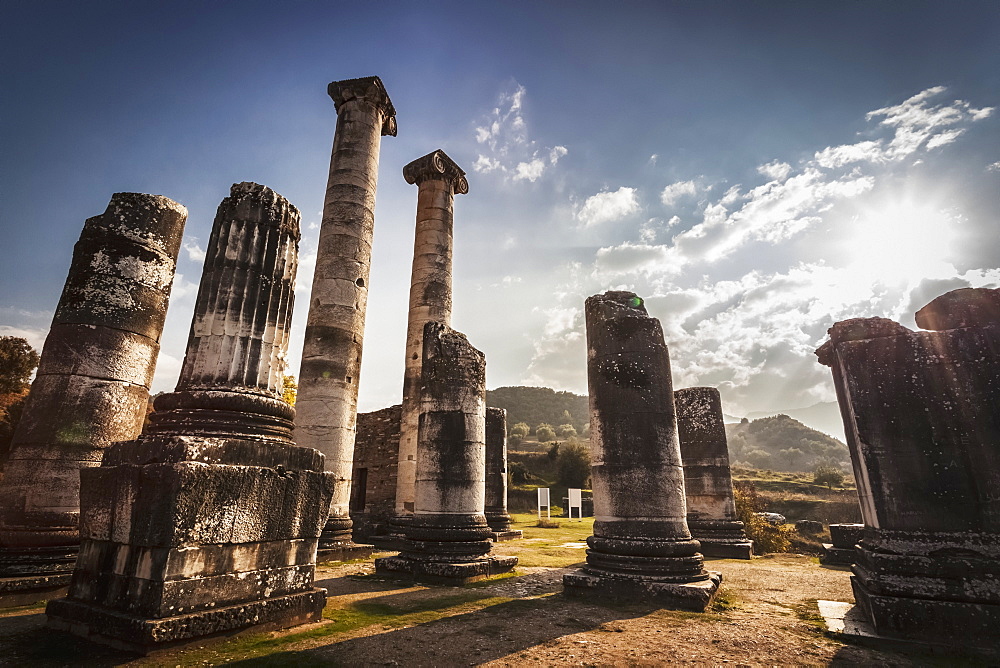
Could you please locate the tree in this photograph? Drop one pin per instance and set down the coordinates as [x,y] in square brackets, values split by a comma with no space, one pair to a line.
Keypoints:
[765,536]
[17,360]
[545,433]
[289,390]
[520,429]
[573,464]
[553,452]
[519,473]
[829,475]
[567,431]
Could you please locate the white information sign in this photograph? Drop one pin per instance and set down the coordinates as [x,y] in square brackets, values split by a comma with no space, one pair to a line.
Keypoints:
[575,501]
[543,501]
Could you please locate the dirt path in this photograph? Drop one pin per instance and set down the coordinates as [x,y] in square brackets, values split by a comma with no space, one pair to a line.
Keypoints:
[766,615]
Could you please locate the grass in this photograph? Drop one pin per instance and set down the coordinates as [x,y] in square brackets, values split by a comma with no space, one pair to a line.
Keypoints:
[546,546]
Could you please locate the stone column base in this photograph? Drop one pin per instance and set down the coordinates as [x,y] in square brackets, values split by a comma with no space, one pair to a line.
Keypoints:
[725,549]
[952,623]
[143,635]
[438,572]
[693,596]
[512,534]
[836,556]
[343,551]
[32,574]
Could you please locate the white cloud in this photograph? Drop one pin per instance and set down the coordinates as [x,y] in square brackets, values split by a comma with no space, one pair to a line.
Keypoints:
[35,336]
[775,170]
[195,252]
[504,144]
[994,167]
[631,258]
[653,158]
[675,191]
[837,156]
[605,207]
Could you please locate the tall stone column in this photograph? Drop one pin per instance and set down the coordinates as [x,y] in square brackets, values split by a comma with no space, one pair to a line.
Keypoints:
[331,355]
[91,389]
[208,523]
[922,417]
[438,179]
[708,483]
[641,547]
[496,476]
[448,539]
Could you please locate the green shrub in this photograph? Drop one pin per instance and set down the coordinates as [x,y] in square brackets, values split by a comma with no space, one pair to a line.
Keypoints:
[829,475]
[573,464]
[766,537]
[545,433]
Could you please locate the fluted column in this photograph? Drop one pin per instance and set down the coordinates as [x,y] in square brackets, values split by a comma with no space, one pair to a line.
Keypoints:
[208,523]
[331,355]
[448,538]
[641,547]
[438,179]
[93,381]
[231,379]
[496,476]
[708,482]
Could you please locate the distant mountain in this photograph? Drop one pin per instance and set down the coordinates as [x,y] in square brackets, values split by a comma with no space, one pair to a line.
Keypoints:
[782,443]
[534,405]
[824,417]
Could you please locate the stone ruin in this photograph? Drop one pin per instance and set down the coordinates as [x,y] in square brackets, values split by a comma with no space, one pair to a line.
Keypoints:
[497,516]
[844,539]
[438,179]
[91,389]
[641,548]
[921,415]
[448,539]
[331,357]
[708,484]
[208,523]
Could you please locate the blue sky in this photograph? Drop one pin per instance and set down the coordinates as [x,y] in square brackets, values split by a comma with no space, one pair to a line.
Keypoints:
[755,170]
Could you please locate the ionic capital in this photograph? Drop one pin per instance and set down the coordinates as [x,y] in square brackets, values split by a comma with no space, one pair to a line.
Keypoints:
[372,91]
[437,165]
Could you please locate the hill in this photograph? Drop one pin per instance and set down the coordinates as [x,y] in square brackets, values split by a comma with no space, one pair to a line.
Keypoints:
[534,405]
[823,416]
[782,443]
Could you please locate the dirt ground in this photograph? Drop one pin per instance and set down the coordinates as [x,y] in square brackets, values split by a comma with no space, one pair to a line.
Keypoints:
[765,616]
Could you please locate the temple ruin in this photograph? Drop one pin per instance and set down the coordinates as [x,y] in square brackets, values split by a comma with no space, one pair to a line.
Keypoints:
[920,414]
[448,539]
[708,484]
[438,180]
[497,516]
[208,523]
[331,357]
[641,548]
[91,389]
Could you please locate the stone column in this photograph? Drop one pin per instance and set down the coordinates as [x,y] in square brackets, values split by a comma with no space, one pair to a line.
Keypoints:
[448,539]
[922,421]
[641,548]
[91,389]
[208,523]
[708,483]
[438,179]
[496,476]
[331,355]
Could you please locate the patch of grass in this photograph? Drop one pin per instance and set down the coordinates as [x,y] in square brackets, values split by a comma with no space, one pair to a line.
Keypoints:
[407,611]
[725,601]
[547,524]
[21,609]
[808,612]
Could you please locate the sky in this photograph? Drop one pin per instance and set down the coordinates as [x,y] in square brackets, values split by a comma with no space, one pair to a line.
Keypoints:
[756,171]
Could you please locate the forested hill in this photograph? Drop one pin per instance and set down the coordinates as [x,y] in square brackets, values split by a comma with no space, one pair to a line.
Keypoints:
[781,443]
[534,405]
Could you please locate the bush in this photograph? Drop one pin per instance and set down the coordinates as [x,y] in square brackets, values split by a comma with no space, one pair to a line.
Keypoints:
[545,433]
[765,536]
[829,475]
[519,473]
[573,464]
[567,431]
[553,452]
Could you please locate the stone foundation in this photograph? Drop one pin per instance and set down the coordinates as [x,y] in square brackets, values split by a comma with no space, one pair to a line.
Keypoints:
[448,573]
[841,552]
[693,596]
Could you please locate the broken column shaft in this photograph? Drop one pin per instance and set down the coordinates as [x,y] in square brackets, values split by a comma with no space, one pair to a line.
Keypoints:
[448,539]
[331,356]
[708,483]
[92,386]
[641,547]
[497,516]
[438,179]
[208,523]
[922,418]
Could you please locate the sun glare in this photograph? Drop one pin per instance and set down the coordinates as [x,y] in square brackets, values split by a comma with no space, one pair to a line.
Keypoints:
[904,241]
